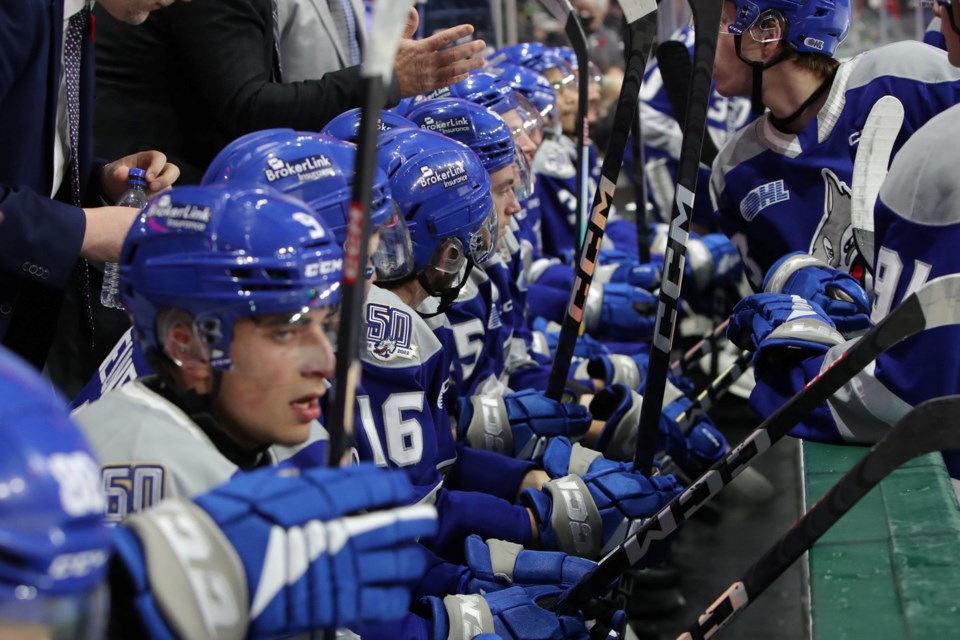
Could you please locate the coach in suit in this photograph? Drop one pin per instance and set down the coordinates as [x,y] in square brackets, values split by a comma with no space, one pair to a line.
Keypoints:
[319,36]
[51,189]
[207,72]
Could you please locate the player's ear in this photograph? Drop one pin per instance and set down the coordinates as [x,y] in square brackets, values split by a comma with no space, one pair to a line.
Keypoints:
[182,344]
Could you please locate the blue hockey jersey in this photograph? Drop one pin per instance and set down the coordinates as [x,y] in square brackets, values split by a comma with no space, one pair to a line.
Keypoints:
[775,193]
[917,227]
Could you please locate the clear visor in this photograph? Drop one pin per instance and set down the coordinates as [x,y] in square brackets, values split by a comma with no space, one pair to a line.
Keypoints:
[532,122]
[523,176]
[75,617]
[393,258]
[483,242]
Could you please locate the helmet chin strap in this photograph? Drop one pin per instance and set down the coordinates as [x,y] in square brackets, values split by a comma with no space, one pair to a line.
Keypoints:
[756,96]
[447,296]
[783,123]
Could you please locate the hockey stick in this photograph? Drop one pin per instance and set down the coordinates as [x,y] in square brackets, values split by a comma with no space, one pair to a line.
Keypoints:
[563,11]
[870,168]
[931,426]
[639,184]
[706,17]
[714,391]
[935,304]
[707,345]
[389,19]
[641,18]
[673,57]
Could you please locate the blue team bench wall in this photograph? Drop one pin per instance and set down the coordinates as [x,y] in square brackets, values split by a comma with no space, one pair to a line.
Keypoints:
[890,568]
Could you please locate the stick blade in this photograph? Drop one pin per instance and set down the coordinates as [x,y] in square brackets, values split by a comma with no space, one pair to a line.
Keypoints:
[870,168]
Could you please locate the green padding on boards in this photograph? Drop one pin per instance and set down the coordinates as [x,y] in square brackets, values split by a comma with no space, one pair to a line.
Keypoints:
[889,568]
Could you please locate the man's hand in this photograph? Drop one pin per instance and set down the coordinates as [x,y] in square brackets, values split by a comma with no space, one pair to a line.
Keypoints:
[421,66]
[160,174]
[106,229]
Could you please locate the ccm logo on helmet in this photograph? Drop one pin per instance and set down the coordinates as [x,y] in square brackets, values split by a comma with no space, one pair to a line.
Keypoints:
[323,268]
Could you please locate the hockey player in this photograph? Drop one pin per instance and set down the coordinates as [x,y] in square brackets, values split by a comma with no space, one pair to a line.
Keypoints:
[916,233]
[198,569]
[232,294]
[781,184]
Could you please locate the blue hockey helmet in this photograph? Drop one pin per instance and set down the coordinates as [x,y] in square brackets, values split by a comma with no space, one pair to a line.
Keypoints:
[319,170]
[222,254]
[532,55]
[54,545]
[483,131]
[221,167]
[811,26]
[346,126]
[533,86]
[482,87]
[444,192]
[478,128]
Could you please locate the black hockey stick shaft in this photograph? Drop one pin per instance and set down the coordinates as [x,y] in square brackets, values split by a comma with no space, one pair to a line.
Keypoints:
[935,304]
[388,21]
[563,11]
[706,16]
[931,426]
[673,58]
[642,22]
[705,400]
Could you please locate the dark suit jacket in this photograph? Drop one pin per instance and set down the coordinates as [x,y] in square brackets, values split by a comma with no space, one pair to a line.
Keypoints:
[40,238]
[197,75]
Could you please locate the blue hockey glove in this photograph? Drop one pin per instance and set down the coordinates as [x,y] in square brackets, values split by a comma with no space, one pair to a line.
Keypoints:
[585,347]
[775,323]
[620,266]
[712,260]
[619,407]
[511,614]
[278,552]
[696,450]
[497,564]
[593,504]
[620,312]
[616,369]
[520,424]
[838,293]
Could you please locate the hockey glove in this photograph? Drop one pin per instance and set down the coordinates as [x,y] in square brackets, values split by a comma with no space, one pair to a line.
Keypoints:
[548,333]
[593,504]
[278,552]
[712,260]
[497,564]
[619,266]
[619,311]
[777,323]
[838,293]
[520,424]
[511,614]
[695,450]
[616,369]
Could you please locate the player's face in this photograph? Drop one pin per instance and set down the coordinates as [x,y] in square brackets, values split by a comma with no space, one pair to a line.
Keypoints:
[952,39]
[520,136]
[280,363]
[732,75]
[134,11]
[566,88]
[502,183]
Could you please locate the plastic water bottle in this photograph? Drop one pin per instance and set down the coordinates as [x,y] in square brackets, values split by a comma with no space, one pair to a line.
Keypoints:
[134,196]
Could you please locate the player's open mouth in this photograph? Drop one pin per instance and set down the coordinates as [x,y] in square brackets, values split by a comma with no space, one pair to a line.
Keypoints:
[308,407]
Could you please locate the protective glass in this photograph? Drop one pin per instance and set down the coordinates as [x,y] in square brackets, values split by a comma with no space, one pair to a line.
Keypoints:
[532,122]
[75,617]
[393,258]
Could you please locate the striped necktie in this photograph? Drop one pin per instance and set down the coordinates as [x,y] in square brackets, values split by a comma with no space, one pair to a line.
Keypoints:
[346,21]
